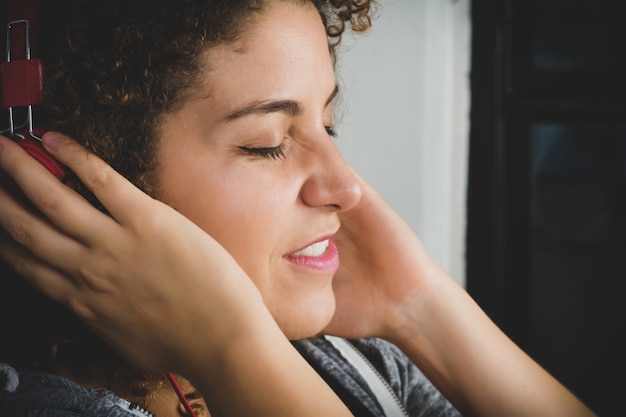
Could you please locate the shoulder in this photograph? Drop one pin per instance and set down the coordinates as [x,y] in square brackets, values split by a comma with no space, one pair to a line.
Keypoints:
[385,357]
[33,394]
[418,395]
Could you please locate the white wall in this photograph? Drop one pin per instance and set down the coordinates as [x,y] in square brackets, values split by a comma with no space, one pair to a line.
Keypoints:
[405,122]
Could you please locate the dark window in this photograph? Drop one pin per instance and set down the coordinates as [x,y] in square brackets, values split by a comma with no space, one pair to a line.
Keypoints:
[546,238]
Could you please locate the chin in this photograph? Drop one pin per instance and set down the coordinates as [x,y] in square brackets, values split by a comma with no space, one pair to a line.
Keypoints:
[307,319]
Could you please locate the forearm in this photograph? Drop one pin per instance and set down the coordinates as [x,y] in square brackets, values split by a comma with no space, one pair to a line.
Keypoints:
[473,362]
[261,374]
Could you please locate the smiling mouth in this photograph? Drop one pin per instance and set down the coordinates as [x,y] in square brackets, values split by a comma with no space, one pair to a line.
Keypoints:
[321,256]
[316,249]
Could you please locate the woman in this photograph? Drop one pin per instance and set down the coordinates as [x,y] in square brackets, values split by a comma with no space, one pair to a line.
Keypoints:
[238,141]
[149,86]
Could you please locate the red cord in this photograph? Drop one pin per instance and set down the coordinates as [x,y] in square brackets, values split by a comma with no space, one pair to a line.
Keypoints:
[180,394]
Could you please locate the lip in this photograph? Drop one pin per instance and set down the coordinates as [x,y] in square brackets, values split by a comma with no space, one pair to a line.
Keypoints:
[328,262]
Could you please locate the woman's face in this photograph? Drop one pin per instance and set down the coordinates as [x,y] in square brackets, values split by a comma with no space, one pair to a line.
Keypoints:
[250,160]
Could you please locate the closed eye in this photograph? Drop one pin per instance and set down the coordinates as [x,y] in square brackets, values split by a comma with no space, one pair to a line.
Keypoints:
[272,153]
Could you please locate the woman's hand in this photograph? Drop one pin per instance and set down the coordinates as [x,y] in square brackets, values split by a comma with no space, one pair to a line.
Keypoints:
[388,286]
[121,272]
[384,266]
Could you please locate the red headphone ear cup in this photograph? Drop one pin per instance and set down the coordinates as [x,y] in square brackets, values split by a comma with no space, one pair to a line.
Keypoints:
[34,148]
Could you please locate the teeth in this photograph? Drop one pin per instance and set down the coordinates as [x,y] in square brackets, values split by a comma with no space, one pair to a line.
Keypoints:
[316,249]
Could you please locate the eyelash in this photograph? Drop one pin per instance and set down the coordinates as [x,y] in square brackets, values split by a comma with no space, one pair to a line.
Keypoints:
[276,152]
[273,153]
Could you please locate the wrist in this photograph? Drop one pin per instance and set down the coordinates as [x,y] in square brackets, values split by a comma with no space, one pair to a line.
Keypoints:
[411,318]
[429,327]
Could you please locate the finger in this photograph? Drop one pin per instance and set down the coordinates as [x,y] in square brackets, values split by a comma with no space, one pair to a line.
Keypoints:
[38,274]
[121,198]
[61,205]
[46,279]
[38,236]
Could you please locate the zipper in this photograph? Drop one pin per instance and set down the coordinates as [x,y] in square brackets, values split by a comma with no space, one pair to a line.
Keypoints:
[133,409]
[334,341]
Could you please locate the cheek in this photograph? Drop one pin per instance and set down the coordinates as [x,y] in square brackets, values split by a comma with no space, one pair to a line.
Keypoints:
[232,214]
[246,212]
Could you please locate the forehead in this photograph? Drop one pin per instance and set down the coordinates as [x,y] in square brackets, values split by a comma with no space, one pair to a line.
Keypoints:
[285,41]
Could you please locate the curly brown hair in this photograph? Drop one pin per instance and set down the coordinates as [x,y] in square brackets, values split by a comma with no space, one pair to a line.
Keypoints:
[113,69]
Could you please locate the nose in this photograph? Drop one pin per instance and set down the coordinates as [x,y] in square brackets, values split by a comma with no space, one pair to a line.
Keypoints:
[332,182]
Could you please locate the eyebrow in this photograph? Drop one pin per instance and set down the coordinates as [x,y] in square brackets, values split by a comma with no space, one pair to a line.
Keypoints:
[289,107]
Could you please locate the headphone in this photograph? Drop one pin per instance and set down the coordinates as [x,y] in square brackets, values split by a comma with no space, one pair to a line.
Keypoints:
[21,88]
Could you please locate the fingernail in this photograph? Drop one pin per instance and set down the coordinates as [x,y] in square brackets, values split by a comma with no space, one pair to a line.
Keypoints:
[51,140]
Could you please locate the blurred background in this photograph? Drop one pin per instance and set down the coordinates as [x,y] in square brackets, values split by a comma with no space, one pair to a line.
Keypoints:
[497,129]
